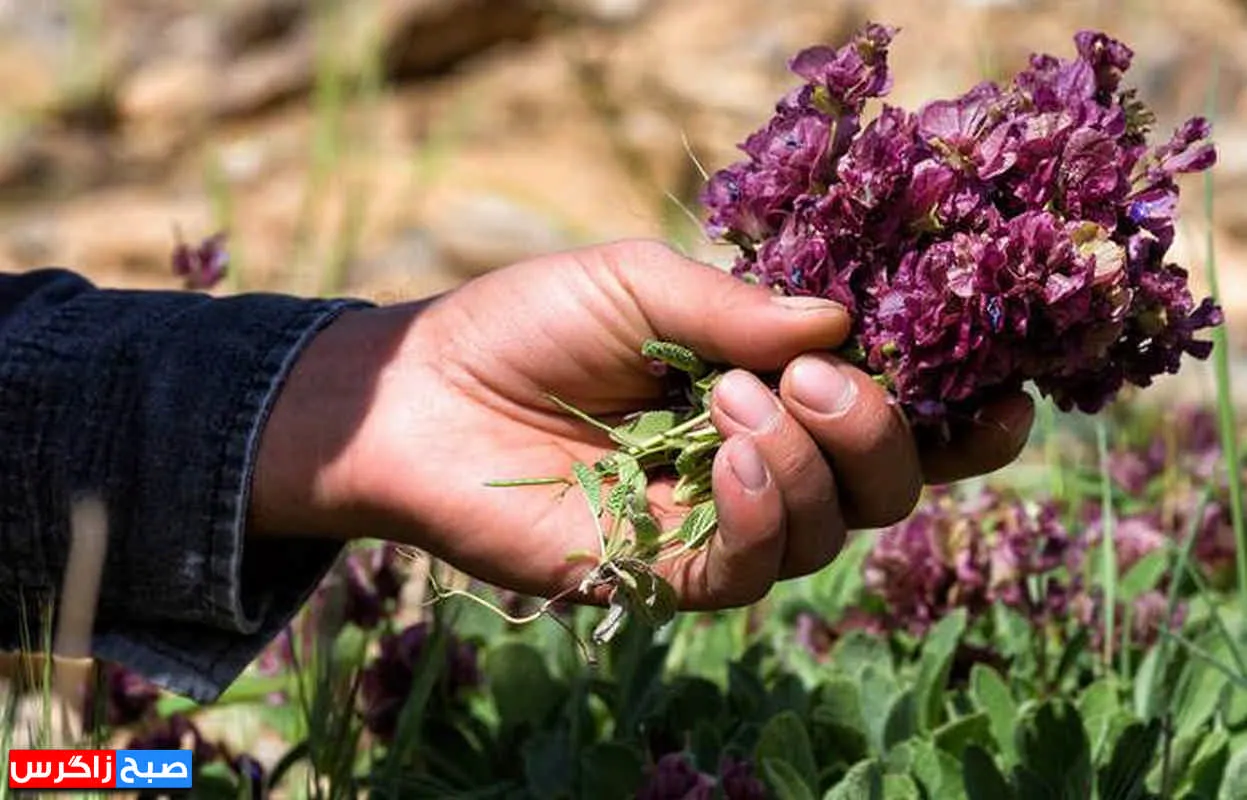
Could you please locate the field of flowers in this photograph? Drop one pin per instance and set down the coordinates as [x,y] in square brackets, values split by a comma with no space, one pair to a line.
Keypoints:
[991,646]
[1071,627]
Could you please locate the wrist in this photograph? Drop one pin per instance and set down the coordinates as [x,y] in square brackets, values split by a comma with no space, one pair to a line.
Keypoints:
[300,485]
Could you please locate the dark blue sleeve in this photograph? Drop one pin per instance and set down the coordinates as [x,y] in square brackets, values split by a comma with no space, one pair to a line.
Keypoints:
[153,402]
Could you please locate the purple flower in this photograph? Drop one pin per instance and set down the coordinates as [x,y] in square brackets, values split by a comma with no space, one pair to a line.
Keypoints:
[738,781]
[176,732]
[371,582]
[1014,234]
[675,778]
[204,266]
[972,555]
[127,698]
[386,682]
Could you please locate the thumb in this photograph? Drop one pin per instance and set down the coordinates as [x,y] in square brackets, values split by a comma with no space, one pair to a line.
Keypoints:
[721,317]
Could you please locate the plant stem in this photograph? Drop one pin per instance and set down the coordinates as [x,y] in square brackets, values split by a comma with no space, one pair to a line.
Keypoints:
[1221,364]
[1108,553]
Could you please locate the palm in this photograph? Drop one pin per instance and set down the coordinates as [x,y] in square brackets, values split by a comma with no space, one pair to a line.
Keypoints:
[563,336]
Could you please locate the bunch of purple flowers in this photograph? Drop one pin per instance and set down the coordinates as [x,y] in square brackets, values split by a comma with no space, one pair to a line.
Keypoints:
[1015,233]
[673,777]
[992,549]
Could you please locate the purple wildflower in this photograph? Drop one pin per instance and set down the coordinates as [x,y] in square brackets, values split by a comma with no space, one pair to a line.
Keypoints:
[204,266]
[386,681]
[127,698]
[372,581]
[738,781]
[675,778]
[971,555]
[1015,233]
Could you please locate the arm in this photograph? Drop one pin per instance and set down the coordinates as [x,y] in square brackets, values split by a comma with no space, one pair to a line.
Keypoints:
[154,402]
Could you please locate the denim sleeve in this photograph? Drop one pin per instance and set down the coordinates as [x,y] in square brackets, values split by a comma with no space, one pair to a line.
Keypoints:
[154,402]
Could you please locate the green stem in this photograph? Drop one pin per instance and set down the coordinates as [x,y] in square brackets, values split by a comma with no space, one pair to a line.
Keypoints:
[1221,364]
[673,433]
[1108,553]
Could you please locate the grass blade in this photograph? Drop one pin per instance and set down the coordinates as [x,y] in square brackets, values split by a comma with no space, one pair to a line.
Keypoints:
[1107,544]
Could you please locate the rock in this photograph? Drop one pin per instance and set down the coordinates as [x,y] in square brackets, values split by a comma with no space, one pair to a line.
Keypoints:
[607,12]
[475,233]
[267,77]
[243,24]
[170,92]
[426,37]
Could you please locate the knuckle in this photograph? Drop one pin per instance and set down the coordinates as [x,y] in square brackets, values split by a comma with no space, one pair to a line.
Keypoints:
[629,251]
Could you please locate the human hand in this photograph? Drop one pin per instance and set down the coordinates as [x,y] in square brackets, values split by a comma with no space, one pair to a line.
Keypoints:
[395,418]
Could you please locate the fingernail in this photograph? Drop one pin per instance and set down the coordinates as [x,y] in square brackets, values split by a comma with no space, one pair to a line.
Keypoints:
[806,303]
[822,387]
[743,398]
[747,464]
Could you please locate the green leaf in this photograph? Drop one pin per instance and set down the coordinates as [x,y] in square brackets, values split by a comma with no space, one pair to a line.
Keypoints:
[520,684]
[857,651]
[879,695]
[591,484]
[992,696]
[900,787]
[698,524]
[549,764]
[1236,709]
[1144,576]
[1097,706]
[610,770]
[902,720]
[937,773]
[1208,765]
[1054,754]
[784,738]
[1201,691]
[1234,784]
[981,776]
[956,735]
[839,716]
[675,355]
[785,780]
[863,782]
[697,457]
[1148,688]
[1124,778]
[937,659]
[647,425]
[648,596]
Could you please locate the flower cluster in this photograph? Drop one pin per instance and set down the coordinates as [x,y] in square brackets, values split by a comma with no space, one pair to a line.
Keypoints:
[973,554]
[1015,233]
[386,682]
[1167,475]
[674,777]
[178,732]
[126,698]
[373,579]
[995,548]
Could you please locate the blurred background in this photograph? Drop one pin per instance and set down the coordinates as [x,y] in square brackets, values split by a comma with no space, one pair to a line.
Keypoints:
[394,148]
